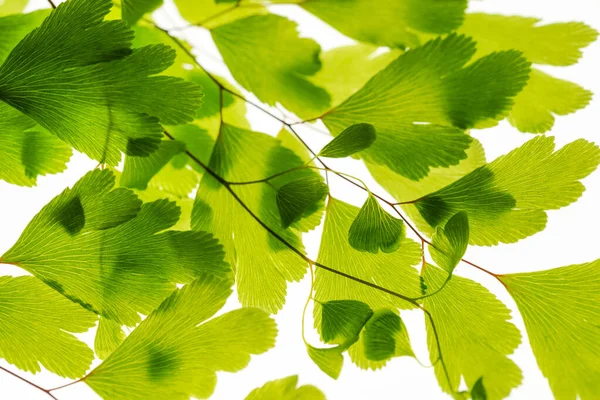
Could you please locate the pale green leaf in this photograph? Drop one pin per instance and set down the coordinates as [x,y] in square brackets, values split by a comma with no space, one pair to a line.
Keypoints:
[8,7]
[353,139]
[389,23]
[420,103]
[300,198]
[37,325]
[557,44]
[507,198]
[175,353]
[109,336]
[211,13]
[102,249]
[27,150]
[138,171]
[329,360]
[59,74]
[273,62]
[342,320]
[385,336]
[285,389]
[475,335]
[241,155]
[561,311]
[375,229]
[449,243]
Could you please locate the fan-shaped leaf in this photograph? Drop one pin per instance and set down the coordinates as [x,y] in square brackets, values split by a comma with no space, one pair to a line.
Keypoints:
[286,389]
[300,198]
[450,242]
[133,10]
[352,140]
[342,320]
[385,336]
[329,360]
[375,229]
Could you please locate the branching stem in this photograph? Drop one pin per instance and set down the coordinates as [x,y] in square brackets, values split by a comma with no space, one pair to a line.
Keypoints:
[29,382]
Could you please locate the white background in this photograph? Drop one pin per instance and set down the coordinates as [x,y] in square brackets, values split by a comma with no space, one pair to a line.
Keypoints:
[569,238]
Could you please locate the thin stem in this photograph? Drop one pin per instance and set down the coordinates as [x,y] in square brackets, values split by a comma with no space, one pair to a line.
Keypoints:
[438,345]
[312,286]
[52,4]
[68,384]
[29,382]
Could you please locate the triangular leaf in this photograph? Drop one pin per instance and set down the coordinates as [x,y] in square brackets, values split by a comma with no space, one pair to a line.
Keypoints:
[300,198]
[328,360]
[352,140]
[385,336]
[342,320]
[561,311]
[375,229]
[478,391]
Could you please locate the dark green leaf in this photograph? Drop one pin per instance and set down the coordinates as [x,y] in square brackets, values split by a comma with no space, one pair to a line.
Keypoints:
[385,336]
[352,140]
[478,391]
[342,320]
[299,199]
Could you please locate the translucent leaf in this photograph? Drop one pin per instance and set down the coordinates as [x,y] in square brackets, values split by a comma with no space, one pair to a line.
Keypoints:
[300,198]
[474,333]
[285,389]
[37,325]
[213,13]
[12,7]
[561,311]
[507,198]
[65,89]
[389,23]
[346,69]
[353,139]
[241,155]
[329,360]
[273,62]
[15,27]
[421,102]
[27,150]
[175,353]
[450,242]
[133,10]
[342,320]
[137,171]
[375,229]
[385,336]
[478,391]
[105,251]
[551,44]
[109,337]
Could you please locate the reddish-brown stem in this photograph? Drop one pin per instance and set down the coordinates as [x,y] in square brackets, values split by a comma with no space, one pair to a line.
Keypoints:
[29,382]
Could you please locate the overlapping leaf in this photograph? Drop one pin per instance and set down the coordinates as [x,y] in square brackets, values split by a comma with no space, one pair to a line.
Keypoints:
[103,249]
[133,10]
[561,311]
[261,262]
[557,44]
[12,6]
[175,353]
[385,336]
[507,198]
[77,76]
[14,27]
[450,242]
[420,103]
[214,13]
[37,325]
[353,139]
[285,389]
[300,198]
[389,23]
[273,62]
[474,334]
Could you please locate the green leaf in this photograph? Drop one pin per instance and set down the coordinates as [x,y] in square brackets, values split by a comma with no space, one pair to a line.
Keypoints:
[285,389]
[15,27]
[65,90]
[329,360]
[389,23]
[421,102]
[109,337]
[478,391]
[273,62]
[353,139]
[137,171]
[133,10]
[375,229]
[507,198]
[212,13]
[299,199]
[342,320]
[175,353]
[474,333]
[385,336]
[557,44]
[561,311]
[346,69]
[543,97]
[27,150]
[241,155]
[450,242]
[37,325]
[12,6]
[105,251]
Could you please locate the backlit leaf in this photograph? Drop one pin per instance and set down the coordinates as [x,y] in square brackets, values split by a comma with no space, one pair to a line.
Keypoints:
[342,320]
[561,311]
[285,389]
[450,242]
[385,336]
[375,229]
[109,336]
[300,198]
[329,360]
[478,391]
[352,140]
[134,10]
